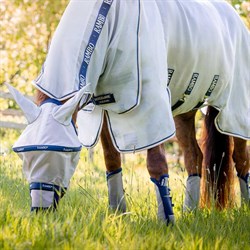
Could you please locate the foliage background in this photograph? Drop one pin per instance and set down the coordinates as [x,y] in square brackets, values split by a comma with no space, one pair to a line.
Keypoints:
[26,30]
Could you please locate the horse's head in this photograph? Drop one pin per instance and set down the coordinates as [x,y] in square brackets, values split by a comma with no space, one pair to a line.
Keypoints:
[49,146]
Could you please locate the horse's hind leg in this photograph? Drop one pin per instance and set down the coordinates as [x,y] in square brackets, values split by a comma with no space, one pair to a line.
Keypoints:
[158,170]
[185,133]
[114,171]
[242,165]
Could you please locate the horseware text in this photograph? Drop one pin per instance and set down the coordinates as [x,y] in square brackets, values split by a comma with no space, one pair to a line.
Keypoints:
[192,82]
[93,40]
[170,75]
[214,82]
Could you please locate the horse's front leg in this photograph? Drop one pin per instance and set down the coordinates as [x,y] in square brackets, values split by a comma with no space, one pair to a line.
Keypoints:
[185,133]
[242,165]
[158,170]
[114,171]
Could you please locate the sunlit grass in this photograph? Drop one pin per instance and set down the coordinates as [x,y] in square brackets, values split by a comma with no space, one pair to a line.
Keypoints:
[83,220]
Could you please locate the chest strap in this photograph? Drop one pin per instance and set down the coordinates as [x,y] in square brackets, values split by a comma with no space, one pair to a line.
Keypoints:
[209,92]
[187,91]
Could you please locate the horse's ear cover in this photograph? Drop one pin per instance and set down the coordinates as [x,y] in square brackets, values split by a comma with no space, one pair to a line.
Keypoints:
[63,114]
[29,108]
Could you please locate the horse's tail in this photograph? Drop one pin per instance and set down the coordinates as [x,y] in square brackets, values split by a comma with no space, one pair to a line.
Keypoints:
[217,167]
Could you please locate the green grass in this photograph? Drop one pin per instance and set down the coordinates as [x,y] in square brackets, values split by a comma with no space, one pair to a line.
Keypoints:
[83,220]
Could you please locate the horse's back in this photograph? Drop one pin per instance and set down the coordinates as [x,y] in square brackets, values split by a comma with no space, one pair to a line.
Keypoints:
[208,47]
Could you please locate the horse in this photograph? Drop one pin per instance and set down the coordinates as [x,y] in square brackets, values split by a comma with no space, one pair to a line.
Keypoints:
[124,86]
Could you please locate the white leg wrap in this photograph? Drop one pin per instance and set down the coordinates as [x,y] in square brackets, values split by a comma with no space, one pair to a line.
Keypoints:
[116,192]
[42,198]
[192,193]
[244,190]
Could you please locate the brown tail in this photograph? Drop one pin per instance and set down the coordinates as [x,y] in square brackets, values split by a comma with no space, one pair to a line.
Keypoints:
[217,168]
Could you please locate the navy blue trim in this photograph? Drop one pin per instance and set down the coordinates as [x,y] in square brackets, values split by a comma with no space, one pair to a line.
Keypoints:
[232,134]
[97,135]
[45,186]
[40,209]
[109,174]
[138,61]
[191,175]
[135,149]
[46,148]
[158,182]
[40,74]
[73,124]
[51,100]
[57,102]
[95,34]
[62,97]
[217,125]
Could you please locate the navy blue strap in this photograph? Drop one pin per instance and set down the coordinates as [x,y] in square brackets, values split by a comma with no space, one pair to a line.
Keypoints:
[209,91]
[109,174]
[170,75]
[51,100]
[96,31]
[245,178]
[46,187]
[41,209]
[187,92]
[191,175]
[164,191]
[46,148]
[155,181]
[58,194]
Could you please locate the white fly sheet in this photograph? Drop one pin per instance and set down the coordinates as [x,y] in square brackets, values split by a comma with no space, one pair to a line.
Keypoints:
[130,53]
[108,44]
[208,49]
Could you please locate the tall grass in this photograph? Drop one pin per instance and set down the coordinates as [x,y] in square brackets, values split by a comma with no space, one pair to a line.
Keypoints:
[83,220]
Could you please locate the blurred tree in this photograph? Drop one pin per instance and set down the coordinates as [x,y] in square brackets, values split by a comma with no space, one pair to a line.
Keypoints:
[243,8]
[26,30]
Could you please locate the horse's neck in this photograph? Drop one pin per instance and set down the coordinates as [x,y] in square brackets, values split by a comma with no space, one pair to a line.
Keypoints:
[40,97]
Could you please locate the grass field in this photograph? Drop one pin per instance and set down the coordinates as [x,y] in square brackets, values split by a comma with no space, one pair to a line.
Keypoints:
[83,220]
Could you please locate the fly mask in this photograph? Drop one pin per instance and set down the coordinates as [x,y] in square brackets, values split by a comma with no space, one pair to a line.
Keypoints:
[49,146]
